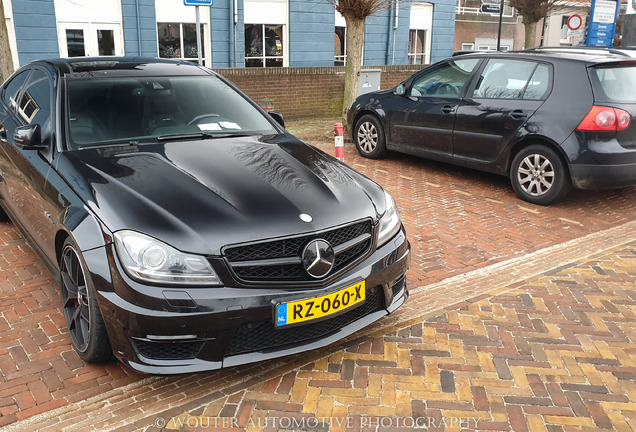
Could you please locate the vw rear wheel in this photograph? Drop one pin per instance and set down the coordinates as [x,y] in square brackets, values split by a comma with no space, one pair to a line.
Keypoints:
[539,176]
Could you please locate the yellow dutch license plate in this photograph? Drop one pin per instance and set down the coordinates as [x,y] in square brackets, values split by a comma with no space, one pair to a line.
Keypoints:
[320,307]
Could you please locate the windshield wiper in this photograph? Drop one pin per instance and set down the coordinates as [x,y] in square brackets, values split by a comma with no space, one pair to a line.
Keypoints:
[117,144]
[202,135]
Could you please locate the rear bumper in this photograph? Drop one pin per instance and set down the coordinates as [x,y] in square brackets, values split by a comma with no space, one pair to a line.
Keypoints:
[603,176]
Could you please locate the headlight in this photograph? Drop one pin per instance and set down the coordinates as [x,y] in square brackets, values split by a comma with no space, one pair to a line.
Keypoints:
[149,260]
[390,221]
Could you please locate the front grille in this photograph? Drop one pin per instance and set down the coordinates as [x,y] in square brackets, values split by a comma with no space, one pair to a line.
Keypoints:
[280,260]
[263,335]
[167,350]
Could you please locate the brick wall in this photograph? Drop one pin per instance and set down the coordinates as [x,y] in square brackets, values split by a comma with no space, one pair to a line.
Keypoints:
[306,91]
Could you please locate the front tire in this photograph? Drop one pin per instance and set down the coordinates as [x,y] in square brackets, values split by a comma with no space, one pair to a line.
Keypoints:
[369,137]
[79,303]
[539,176]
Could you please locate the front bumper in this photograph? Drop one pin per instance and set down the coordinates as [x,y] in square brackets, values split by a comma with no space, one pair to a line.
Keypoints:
[179,330]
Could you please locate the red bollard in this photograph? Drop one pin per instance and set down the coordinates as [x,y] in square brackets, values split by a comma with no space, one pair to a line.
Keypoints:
[338,132]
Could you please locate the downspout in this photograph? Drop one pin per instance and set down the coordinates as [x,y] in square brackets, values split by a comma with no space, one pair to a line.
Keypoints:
[235,27]
[395,27]
[233,35]
[138,28]
[390,36]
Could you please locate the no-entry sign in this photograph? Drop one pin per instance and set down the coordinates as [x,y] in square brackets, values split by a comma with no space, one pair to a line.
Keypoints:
[575,22]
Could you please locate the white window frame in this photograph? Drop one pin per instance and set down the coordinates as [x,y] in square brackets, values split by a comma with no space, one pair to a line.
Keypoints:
[273,13]
[91,43]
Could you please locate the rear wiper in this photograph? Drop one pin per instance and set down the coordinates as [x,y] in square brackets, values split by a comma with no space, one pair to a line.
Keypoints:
[202,135]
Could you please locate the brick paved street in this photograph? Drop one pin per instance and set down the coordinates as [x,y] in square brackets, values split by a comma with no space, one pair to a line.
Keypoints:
[520,316]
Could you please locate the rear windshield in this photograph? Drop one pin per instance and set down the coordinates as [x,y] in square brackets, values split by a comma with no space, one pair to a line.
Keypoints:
[614,83]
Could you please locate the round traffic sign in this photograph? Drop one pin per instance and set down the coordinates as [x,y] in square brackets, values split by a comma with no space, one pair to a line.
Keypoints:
[575,22]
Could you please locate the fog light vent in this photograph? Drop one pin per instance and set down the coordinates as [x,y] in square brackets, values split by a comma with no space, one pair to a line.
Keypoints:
[167,350]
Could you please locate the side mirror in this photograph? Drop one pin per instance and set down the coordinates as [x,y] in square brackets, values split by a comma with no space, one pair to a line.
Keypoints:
[278,117]
[29,138]
[400,90]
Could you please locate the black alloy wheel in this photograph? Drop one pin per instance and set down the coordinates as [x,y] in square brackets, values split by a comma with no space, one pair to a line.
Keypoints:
[539,176]
[369,137]
[83,318]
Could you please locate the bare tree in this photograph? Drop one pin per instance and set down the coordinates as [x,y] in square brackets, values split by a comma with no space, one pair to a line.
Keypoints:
[533,11]
[355,13]
[6,65]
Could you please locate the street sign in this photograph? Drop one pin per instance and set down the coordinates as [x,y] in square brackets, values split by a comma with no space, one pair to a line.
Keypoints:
[197,2]
[603,23]
[574,22]
[490,8]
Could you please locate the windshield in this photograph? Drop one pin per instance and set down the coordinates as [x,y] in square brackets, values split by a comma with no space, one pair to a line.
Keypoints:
[121,110]
[614,83]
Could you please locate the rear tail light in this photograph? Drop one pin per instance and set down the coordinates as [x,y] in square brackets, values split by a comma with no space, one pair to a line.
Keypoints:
[602,118]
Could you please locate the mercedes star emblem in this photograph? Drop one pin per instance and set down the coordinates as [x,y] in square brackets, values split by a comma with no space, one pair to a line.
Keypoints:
[318,258]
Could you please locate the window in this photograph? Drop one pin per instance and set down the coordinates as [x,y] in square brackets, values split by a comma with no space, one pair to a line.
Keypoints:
[179,40]
[420,25]
[417,46]
[513,79]
[564,28]
[447,80]
[614,83]
[11,90]
[263,45]
[76,43]
[340,48]
[468,46]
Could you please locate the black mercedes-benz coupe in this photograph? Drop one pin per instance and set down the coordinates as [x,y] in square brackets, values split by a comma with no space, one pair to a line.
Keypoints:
[548,120]
[188,230]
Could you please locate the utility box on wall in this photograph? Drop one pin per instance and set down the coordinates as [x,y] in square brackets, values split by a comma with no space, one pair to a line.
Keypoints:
[369,80]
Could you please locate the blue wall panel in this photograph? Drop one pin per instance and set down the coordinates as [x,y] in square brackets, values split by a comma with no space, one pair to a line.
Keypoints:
[35,29]
[139,21]
[225,53]
[443,29]
[311,33]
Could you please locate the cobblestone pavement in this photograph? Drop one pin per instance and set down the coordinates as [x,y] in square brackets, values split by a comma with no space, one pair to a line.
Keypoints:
[544,344]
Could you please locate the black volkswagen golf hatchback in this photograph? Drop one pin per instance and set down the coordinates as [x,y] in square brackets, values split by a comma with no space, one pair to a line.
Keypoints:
[548,121]
[188,230]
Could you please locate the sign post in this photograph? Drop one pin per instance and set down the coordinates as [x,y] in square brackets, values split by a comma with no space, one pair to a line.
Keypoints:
[602,27]
[198,3]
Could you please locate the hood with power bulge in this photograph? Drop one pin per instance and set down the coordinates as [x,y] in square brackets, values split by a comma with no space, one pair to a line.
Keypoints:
[200,195]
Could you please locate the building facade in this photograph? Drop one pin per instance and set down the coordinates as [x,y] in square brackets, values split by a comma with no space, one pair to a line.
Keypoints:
[234,33]
[477,26]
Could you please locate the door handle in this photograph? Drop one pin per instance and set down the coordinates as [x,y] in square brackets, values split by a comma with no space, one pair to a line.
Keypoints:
[3,134]
[447,109]
[518,114]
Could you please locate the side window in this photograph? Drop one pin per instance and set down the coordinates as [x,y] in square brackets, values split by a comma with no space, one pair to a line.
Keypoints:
[445,81]
[13,87]
[34,105]
[511,79]
[539,86]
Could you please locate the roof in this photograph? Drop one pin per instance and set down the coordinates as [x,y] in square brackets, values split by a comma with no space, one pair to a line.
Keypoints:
[571,55]
[128,66]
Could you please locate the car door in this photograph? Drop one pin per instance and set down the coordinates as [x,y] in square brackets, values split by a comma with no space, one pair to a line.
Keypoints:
[25,171]
[497,105]
[421,121]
